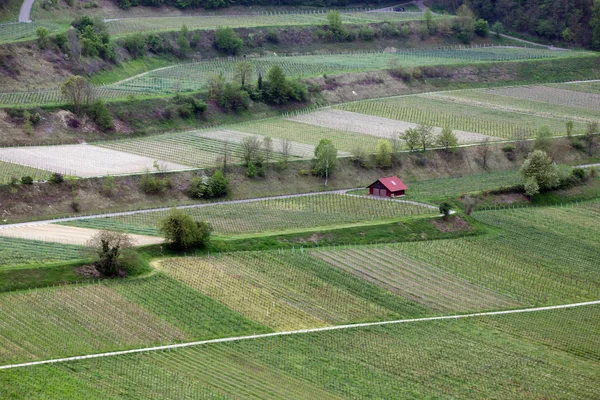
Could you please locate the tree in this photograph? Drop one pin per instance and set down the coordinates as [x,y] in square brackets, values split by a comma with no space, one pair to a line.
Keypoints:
[445,209]
[429,22]
[469,203]
[268,148]
[183,232]
[227,41]
[243,72]
[183,42]
[325,159]
[276,89]
[251,146]
[110,249]
[539,172]
[426,136]
[483,150]
[219,184]
[335,25]
[215,83]
[589,138]
[569,128]
[285,150]
[135,45]
[543,139]
[498,29]
[383,156]
[595,25]
[78,92]
[464,24]
[482,28]
[447,139]
[43,37]
[411,138]
[102,115]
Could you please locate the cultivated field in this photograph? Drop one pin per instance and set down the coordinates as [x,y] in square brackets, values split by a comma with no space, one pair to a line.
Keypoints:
[552,95]
[9,170]
[15,252]
[82,160]
[271,215]
[65,234]
[370,125]
[550,354]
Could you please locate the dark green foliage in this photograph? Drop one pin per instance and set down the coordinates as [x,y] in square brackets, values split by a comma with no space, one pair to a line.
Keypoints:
[183,42]
[94,38]
[111,249]
[183,232]
[366,33]
[101,115]
[233,97]
[57,178]
[26,180]
[43,37]
[251,170]
[445,209]
[203,187]
[189,106]
[227,41]
[482,28]
[273,36]
[61,41]
[151,184]
[277,89]
[579,173]
[135,45]
[219,184]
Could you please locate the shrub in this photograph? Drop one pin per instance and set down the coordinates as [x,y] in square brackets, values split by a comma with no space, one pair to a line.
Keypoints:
[101,115]
[273,36]
[151,184]
[183,232]
[188,105]
[365,33]
[135,45]
[482,28]
[509,151]
[498,29]
[62,42]
[227,41]
[219,184]
[111,248]
[57,178]
[233,97]
[200,187]
[579,173]
[593,172]
[43,38]
[109,185]
[445,209]
[251,170]
[26,180]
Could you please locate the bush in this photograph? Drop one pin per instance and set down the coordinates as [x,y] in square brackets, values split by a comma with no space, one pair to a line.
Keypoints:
[445,209]
[509,151]
[251,170]
[579,173]
[227,41]
[57,178]
[482,28]
[365,33]
[200,188]
[219,184]
[233,97]
[593,172]
[135,45]
[111,249]
[273,36]
[183,232]
[498,29]
[43,37]
[62,42]
[151,184]
[27,180]
[188,105]
[102,116]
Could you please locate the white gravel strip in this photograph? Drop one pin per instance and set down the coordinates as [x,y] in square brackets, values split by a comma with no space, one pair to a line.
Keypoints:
[297,332]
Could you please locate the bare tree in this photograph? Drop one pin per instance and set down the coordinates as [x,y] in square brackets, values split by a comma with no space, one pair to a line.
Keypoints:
[469,203]
[223,159]
[78,91]
[484,152]
[110,247]
[268,149]
[286,149]
[396,143]
[74,45]
[243,72]
[251,146]
[589,138]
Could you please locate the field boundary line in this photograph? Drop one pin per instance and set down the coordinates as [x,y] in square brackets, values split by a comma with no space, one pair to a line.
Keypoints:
[297,332]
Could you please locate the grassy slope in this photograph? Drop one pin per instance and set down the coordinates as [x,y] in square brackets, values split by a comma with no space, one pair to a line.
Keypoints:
[9,10]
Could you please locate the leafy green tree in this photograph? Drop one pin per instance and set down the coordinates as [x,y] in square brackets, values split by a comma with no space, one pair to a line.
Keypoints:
[334,22]
[135,45]
[464,24]
[482,28]
[227,41]
[498,29]
[102,115]
[429,22]
[447,139]
[426,136]
[183,232]
[276,89]
[325,159]
[43,37]
[445,209]
[243,72]
[183,42]
[539,172]
[219,184]
[383,156]
[569,127]
[411,138]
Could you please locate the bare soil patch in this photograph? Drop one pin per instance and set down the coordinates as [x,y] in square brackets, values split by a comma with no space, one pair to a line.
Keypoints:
[454,224]
[371,125]
[88,271]
[82,160]
[66,234]
[510,198]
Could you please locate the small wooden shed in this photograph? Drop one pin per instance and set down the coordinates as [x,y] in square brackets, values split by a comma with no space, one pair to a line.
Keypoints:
[387,187]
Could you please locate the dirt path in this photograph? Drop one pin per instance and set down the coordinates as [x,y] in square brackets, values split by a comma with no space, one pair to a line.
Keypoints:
[25,12]
[299,332]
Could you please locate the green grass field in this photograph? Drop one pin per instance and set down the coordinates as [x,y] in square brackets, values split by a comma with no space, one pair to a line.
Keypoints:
[9,170]
[14,252]
[272,215]
[480,358]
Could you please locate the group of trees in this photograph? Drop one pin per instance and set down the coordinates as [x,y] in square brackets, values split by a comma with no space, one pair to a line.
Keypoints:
[423,137]
[80,93]
[204,187]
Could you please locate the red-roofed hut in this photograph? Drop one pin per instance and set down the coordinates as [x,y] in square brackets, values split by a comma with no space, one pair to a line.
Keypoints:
[387,187]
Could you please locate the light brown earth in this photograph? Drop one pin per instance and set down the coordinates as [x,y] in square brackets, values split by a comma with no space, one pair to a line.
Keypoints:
[371,125]
[82,160]
[66,234]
